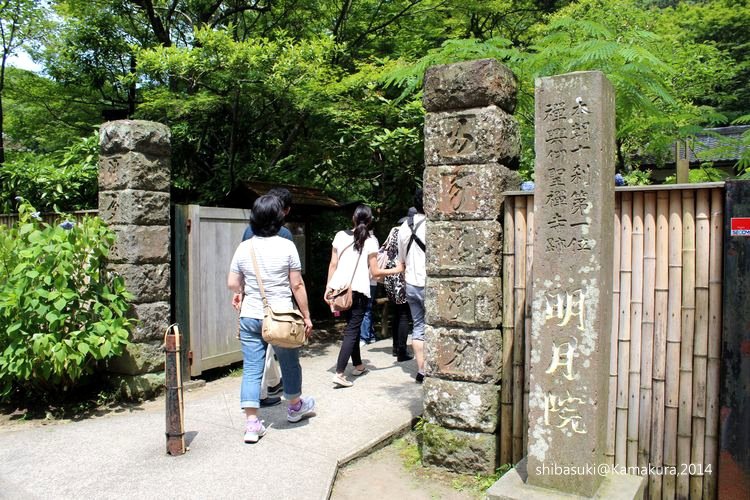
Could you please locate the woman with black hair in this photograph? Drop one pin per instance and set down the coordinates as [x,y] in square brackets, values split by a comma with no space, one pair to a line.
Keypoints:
[280,271]
[353,261]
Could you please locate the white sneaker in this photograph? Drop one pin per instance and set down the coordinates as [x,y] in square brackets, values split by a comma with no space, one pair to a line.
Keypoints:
[308,406]
[254,430]
[341,381]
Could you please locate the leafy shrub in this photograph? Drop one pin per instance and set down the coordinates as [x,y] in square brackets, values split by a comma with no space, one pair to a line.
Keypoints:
[63,181]
[704,173]
[637,177]
[61,311]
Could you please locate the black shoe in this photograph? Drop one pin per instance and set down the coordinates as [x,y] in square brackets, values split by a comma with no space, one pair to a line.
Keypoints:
[269,401]
[394,353]
[404,357]
[274,390]
[419,378]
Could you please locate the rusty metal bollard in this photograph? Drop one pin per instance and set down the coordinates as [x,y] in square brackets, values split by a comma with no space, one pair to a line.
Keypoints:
[173,380]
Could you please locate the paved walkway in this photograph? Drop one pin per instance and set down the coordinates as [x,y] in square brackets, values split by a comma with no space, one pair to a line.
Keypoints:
[123,455]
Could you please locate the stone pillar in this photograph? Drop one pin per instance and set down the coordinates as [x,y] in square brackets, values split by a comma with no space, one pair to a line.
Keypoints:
[471,145]
[572,293]
[572,296]
[134,200]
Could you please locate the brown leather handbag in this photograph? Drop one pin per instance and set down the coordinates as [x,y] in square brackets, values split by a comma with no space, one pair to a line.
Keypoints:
[341,298]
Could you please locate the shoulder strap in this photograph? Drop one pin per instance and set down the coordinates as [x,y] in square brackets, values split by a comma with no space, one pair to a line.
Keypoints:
[355,269]
[345,248]
[257,275]
[355,265]
[414,236]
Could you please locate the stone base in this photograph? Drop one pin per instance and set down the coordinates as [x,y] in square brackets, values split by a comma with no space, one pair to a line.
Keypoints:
[513,486]
[138,387]
[459,451]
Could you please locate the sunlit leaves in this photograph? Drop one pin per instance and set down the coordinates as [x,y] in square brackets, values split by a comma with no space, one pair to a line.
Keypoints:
[58,315]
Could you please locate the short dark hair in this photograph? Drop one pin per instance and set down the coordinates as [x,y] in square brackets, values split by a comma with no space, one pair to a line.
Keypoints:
[267,216]
[283,194]
[418,195]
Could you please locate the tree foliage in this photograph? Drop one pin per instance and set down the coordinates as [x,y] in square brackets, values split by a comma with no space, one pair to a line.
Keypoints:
[328,93]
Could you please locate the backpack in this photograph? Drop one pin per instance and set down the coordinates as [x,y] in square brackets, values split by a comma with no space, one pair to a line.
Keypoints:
[414,236]
[395,285]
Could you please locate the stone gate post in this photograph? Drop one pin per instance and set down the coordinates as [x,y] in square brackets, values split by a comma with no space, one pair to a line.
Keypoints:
[571,310]
[472,144]
[134,200]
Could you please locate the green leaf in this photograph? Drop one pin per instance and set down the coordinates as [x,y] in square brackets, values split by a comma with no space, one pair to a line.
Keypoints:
[105,348]
[60,304]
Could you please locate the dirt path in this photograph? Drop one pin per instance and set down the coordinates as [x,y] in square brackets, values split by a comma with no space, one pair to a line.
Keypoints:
[391,472]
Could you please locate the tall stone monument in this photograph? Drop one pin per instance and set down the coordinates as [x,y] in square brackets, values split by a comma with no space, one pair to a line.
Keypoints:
[572,284]
[471,146]
[134,182]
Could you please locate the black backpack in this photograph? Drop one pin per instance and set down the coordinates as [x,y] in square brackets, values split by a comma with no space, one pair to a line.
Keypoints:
[414,236]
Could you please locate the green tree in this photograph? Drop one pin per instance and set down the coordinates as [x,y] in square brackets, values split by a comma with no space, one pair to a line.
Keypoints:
[22,22]
[654,71]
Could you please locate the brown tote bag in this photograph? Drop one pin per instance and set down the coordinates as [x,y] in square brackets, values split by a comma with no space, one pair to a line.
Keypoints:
[341,299]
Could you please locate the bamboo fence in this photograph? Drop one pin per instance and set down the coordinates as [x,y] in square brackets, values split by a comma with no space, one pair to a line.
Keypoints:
[666,335]
[50,218]
[623,329]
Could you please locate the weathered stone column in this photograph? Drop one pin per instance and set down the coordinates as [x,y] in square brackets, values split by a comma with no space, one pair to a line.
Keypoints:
[134,178]
[471,144]
[572,300]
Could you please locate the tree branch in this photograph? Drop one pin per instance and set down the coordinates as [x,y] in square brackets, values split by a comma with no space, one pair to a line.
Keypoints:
[238,10]
[156,23]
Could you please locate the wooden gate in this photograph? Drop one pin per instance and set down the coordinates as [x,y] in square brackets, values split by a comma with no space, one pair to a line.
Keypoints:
[666,334]
[205,239]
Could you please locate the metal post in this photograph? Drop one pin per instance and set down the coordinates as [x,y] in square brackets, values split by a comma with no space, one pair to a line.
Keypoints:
[173,381]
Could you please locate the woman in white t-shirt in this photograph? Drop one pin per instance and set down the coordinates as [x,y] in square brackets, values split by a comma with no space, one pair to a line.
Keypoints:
[354,260]
[279,267]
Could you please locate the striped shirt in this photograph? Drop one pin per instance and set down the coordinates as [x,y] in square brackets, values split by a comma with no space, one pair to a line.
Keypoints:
[276,257]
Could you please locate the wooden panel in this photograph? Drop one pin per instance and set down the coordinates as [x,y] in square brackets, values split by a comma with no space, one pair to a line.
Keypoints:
[206,239]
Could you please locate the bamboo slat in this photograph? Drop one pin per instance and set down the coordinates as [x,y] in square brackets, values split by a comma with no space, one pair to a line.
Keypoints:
[665,341]
[647,332]
[623,346]
[672,373]
[519,294]
[527,317]
[700,338]
[711,453]
[506,392]
[612,393]
[660,339]
[636,317]
[685,414]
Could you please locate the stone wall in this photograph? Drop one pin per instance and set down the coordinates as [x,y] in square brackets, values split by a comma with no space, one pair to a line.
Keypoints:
[472,145]
[134,200]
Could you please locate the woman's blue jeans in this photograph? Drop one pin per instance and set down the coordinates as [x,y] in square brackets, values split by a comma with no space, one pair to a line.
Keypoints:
[254,361]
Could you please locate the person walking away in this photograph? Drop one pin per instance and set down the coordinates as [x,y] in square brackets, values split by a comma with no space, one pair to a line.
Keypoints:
[353,261]
[271,384]
[367,330]
[411,254]
[395,289]
[279,267]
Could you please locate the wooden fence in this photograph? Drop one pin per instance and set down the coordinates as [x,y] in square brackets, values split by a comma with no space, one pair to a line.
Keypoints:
[663,408]
[50,218]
